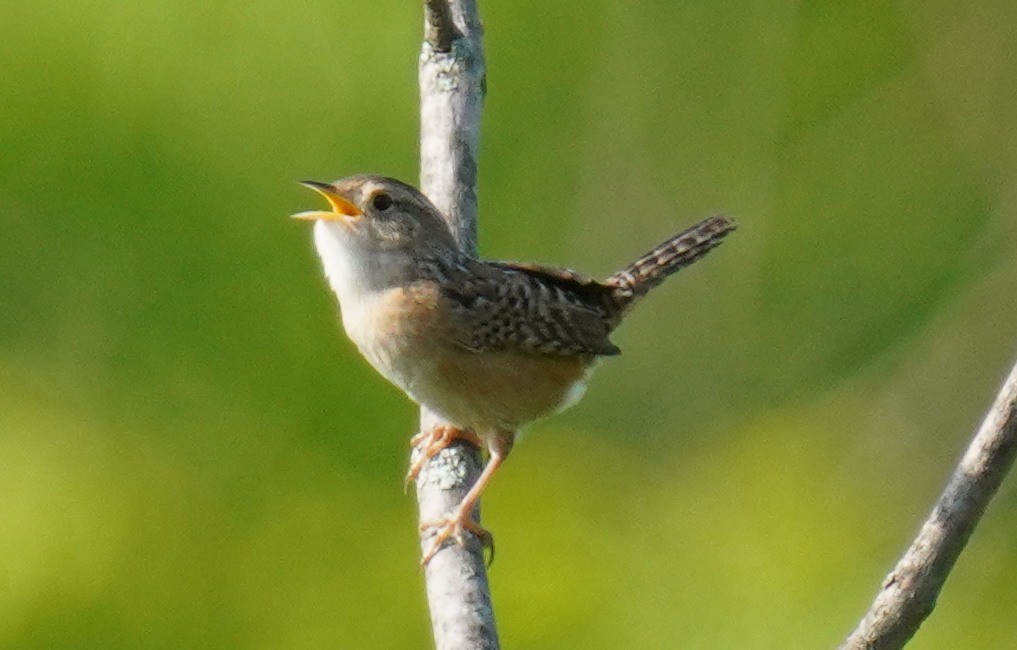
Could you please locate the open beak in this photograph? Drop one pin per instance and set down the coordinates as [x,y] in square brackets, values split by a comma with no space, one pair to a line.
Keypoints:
[341,206]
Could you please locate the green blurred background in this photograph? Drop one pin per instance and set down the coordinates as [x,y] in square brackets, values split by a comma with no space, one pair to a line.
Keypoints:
[191,455]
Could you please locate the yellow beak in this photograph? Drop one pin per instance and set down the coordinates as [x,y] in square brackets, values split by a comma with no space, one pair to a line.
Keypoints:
[341,206]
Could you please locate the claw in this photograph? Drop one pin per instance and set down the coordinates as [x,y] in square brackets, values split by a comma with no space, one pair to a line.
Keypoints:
[429,443]
[454,527]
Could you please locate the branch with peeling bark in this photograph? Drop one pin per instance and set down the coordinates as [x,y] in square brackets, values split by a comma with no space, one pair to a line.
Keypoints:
[452,90]
[909,592]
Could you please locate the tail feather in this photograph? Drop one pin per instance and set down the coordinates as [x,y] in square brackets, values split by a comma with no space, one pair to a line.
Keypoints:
[635,280]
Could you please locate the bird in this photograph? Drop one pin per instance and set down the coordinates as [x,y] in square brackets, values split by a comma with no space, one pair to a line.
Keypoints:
[487,346]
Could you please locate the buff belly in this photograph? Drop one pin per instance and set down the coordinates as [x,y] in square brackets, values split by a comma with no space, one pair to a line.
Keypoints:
[502,391]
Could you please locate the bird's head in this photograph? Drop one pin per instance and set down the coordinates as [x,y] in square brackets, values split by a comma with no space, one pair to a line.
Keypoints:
[375,213]
[376,231]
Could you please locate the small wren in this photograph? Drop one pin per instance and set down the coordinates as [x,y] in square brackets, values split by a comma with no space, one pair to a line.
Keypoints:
[487,346]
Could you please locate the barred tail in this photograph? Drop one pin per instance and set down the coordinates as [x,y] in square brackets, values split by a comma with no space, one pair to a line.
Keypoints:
[634,281]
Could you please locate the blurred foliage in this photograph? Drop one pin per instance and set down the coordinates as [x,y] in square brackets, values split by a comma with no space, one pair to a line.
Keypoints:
[191,455]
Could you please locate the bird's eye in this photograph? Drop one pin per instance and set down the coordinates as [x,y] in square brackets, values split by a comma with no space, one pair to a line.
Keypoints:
[381,201]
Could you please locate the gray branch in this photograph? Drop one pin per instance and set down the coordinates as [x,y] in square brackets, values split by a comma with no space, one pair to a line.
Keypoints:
[908,595]
[452,86]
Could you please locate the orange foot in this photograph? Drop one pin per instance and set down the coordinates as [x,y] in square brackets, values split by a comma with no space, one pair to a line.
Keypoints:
[429,443]
[454,527]
[456,524]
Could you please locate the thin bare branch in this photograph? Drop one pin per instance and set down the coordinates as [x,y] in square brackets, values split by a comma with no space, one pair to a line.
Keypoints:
[452,87]
[458,595]
[908,594]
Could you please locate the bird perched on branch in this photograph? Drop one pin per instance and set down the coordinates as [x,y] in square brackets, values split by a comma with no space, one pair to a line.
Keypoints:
[487,346]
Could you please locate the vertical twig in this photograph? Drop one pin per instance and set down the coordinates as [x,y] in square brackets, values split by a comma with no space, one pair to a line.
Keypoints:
[909,592]
[452,87]
[452,90]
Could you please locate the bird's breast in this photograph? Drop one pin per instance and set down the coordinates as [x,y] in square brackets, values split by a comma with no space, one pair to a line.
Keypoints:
[404,335]
[396,331]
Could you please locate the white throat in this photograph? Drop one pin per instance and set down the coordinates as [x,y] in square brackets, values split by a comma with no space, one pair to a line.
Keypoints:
[343,268]
[356,269]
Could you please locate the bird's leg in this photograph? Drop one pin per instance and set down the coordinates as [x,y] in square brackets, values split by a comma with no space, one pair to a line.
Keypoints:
[429,443]
[460,519]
